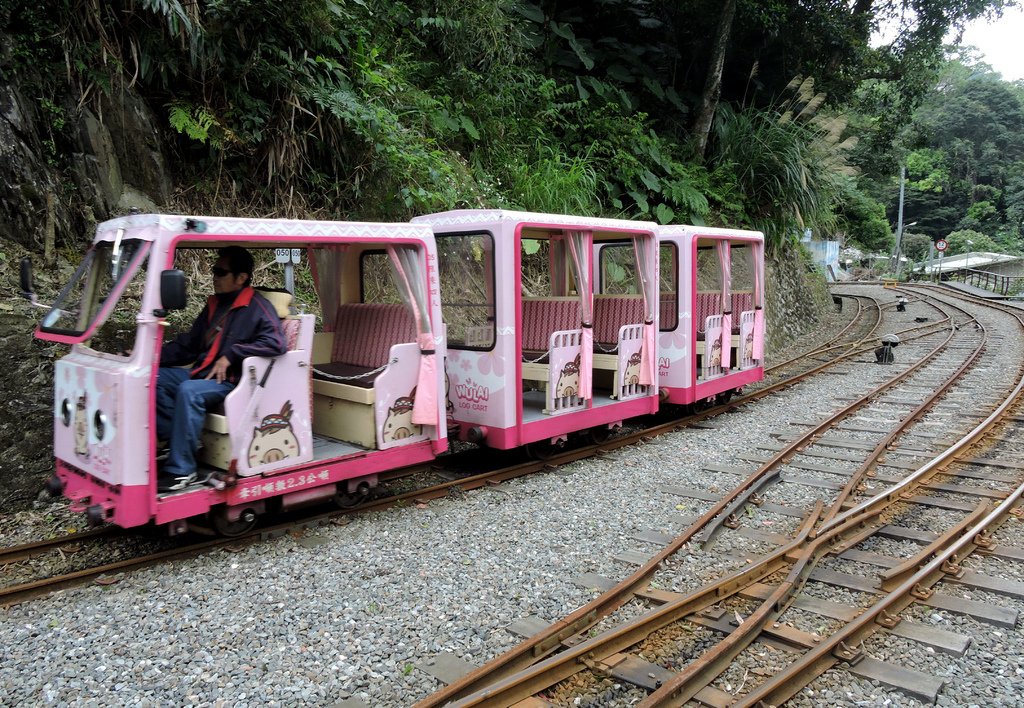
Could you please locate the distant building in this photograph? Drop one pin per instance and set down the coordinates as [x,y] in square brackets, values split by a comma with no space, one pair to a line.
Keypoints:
[998,263]
[826,255]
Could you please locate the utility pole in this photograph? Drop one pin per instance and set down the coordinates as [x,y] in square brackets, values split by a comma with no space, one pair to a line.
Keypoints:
[899,224]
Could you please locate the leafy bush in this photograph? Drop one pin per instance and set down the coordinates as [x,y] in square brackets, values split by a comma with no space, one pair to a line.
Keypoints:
[788,163]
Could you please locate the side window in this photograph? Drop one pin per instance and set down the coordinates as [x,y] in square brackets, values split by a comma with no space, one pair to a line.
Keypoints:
[742,259]
[709,270]
[466,271]
[668,259]
[618,270]
[535,261]
[375,280]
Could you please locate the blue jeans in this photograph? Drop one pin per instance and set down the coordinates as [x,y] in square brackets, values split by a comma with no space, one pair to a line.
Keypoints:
[181,405]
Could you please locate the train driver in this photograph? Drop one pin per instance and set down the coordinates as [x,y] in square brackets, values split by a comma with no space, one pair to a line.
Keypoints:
[237,322]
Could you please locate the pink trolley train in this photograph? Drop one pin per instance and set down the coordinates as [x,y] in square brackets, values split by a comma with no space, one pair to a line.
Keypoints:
[502,328]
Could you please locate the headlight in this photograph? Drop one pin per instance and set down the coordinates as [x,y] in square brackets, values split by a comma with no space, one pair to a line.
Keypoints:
[65,412]
[99,424]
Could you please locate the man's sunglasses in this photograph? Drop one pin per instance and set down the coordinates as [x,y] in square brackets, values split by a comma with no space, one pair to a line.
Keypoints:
[219,272]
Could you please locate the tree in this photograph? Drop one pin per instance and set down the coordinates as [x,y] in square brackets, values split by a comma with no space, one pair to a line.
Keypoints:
[966,241]
[713,82]
[916,246]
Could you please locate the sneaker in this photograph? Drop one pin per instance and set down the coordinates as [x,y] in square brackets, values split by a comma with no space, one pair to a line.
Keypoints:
[172,483]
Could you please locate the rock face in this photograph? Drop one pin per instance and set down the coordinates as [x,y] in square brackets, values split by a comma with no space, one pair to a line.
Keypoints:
[795,301]
[27,181]
[114,162]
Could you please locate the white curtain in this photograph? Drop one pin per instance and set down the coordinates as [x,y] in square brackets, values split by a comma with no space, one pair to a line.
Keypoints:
[327,265]
[645,250]
[758,253]
[724,256]
[579,243]
[408,271]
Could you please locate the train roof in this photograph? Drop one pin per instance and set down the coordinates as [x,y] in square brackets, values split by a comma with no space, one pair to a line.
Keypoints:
[154,227]
[467,217]
[690,230]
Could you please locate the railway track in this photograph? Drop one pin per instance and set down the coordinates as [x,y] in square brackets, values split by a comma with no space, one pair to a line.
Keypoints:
[38,568]
[702,643]
[111,572]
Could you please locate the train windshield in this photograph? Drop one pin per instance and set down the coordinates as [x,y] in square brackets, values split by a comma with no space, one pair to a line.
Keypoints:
[86,301]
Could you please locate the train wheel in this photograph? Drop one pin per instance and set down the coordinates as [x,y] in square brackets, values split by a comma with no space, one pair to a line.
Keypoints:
[599,434]
[724,397]
[245,522]
[543,449]
[701,405]
[347,500]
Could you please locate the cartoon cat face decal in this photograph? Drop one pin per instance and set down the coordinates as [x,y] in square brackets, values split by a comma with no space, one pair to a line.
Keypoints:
[569,379]
[632,375]
[716,353]
[274,439]
[398,425]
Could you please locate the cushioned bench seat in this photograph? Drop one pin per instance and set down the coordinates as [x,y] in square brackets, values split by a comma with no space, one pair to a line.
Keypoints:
[354,375]
[360,344]
[709,304]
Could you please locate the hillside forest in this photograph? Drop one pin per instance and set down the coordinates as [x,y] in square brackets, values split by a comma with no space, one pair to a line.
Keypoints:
[779,116]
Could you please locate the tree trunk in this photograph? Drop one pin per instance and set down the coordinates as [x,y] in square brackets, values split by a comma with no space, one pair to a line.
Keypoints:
[713,84]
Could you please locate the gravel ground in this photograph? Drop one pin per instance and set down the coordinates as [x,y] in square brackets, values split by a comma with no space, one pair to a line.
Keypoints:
[356,614]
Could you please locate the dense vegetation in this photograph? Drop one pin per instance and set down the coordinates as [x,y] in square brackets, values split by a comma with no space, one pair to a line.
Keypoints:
[777,115]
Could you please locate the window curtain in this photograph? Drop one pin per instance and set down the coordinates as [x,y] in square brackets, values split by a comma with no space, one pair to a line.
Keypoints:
[724,257]
[578,243]
[758,251]
[645,250]
[327,264]
[409,276]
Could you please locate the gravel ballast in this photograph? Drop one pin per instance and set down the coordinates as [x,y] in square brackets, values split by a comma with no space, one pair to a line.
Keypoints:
[357,613]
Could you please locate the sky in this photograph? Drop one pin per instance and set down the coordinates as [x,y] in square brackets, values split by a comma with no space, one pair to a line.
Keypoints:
[1000,43]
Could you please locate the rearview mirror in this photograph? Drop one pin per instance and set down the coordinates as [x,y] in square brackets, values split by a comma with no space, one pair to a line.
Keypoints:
[173,290]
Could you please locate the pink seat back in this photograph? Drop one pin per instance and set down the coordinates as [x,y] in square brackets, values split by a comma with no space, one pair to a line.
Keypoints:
[365,332]
[742,302]
[669,312]
[291,328]
[542,317]
[610,313]
[708,304]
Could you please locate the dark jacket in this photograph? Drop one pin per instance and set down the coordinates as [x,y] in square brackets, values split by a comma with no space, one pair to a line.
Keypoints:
[250,327]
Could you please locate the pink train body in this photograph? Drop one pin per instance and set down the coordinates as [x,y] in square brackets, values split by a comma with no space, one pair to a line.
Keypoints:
[427,330]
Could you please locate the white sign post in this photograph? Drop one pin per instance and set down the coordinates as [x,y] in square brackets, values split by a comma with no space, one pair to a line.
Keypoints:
[940,246]
[289,257]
